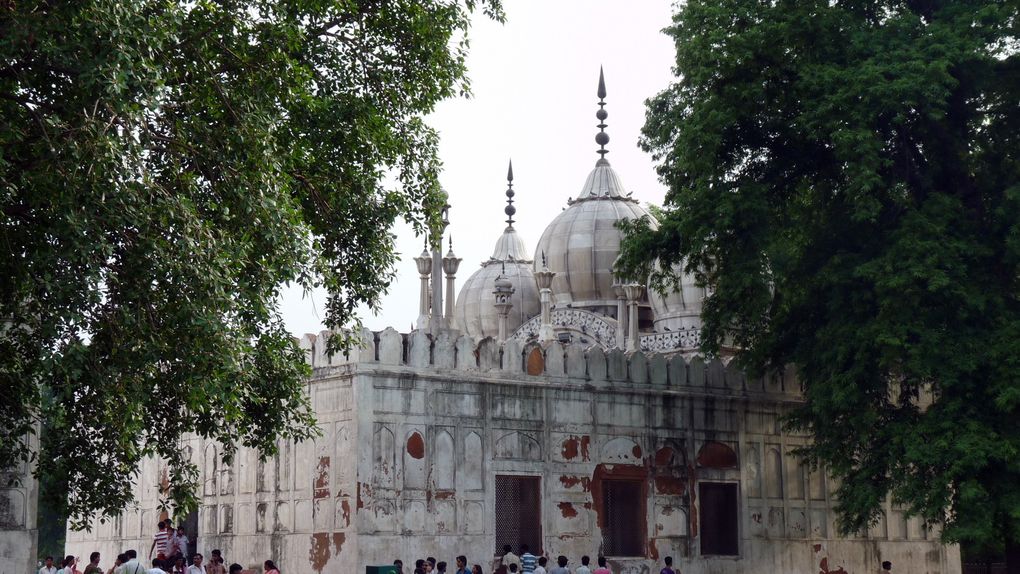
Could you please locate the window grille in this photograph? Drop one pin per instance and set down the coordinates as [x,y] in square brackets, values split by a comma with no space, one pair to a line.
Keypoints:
[623,532]
[518,513]
[718,518]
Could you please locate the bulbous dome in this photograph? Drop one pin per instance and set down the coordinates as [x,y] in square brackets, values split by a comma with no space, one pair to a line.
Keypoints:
[582,242]
[680,309]
[475,312]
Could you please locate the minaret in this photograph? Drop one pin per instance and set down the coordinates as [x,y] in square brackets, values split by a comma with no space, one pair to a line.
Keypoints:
[621,314]
[424,263]
[450,264]
[634,292]
[503,292]
[544,280]
[437,323]
[602,138]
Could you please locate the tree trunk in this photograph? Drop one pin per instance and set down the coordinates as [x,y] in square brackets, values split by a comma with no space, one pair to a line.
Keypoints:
[1012,556]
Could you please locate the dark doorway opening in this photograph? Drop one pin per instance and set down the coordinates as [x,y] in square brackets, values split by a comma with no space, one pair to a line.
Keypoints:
[518,512]
[623,532]
[718,518]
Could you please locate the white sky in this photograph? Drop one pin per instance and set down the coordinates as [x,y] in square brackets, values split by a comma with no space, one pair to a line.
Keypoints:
[534,83]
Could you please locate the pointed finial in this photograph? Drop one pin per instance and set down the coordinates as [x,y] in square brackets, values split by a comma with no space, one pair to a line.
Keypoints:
[602,138]
[544,262]
[451,242]
[510,210]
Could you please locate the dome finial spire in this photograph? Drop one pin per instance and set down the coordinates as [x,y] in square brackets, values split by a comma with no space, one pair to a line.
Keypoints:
[602,138]
[510,210]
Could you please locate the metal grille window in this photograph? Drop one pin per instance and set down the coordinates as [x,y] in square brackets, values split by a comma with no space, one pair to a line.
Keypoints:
[718,518]
[518,512]
[623,533]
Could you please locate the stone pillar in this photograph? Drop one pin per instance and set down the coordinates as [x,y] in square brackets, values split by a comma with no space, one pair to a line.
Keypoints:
[621,315]
[424,263]
[634,292]
[544,280]
[437,322]
[450,265]
[503,292]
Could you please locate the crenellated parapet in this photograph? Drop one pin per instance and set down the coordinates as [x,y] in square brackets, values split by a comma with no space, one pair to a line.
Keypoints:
[551,361]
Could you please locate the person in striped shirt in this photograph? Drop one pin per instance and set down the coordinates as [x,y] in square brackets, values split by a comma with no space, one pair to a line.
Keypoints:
[528,560]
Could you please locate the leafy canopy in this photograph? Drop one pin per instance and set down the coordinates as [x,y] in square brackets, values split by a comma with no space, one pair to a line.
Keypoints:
[165,167]
[844,175]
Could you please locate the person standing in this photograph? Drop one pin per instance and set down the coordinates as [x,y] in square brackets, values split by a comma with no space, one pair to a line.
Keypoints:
[160,542]
[48,568]
[583,568]
[271,568]
[669,566]
[215,565]
[528,560]
[510,558]
[132,566]
[561,566]
[886,567]
[181,542]
[117,564]
[602,569]
[462,567]
[540,569]
[93,566]
[196,565]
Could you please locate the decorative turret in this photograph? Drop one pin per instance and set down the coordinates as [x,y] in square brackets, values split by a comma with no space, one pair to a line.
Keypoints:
[503,292]
[424,263]
[543,278]
[450,265]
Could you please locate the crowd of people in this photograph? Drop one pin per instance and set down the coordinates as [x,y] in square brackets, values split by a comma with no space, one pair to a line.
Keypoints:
[167,555]
[525,563]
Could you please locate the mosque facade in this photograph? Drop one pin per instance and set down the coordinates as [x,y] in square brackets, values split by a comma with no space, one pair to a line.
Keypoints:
[548,404]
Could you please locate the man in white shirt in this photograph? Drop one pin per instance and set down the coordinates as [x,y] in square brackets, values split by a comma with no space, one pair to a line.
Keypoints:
[196,565]
[583,568]
[49,568]
[132,566]
[181,542]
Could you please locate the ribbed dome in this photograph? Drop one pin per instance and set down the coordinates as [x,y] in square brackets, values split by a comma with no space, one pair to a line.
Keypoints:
[681,309]
[475,312]
[582,243]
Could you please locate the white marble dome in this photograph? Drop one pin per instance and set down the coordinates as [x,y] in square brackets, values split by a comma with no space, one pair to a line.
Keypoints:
[681,309]
[582,242]
[475,313]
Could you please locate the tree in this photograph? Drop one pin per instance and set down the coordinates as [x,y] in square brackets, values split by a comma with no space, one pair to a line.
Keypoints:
[845,177]
[165,167]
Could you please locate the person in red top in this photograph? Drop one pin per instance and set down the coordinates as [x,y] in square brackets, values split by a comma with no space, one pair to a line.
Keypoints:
[271,568]
[602,567]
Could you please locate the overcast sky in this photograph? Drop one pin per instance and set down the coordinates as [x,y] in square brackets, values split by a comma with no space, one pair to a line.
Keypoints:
[534,83]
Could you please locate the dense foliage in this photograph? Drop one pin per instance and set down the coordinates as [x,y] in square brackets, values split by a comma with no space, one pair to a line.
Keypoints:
[845,176]
[165,167]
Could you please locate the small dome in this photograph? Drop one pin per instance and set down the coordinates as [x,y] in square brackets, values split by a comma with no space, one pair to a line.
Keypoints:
[680,309]
[510,247]
[582,242]
[475,311]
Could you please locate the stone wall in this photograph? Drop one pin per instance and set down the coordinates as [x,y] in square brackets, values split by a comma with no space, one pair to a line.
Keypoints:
[415,431]
[19,493]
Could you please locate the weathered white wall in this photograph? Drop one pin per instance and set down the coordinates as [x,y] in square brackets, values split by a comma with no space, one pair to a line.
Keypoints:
[414,430]
[19,493]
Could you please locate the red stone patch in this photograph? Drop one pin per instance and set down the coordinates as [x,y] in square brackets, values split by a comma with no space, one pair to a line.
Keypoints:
[567,510]
[717,455]
[416,446]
